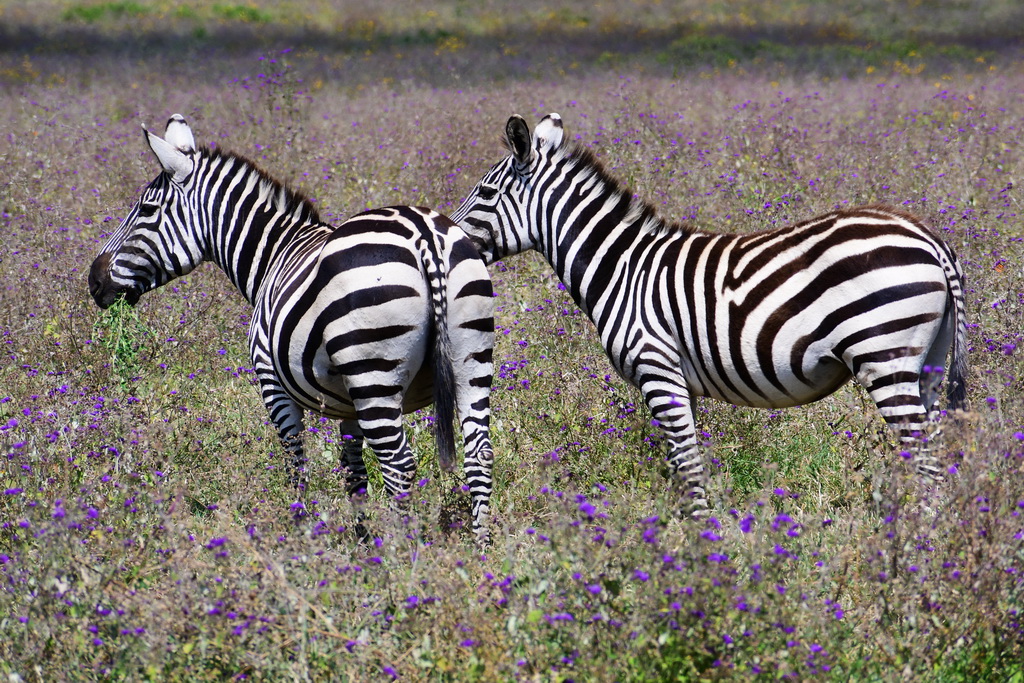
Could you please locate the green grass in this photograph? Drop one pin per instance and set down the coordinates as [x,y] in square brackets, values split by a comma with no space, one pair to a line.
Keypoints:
[124,336]
[244,13]
[93,13]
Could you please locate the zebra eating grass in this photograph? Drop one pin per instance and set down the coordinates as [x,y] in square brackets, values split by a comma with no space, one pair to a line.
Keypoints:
[384,314]
[772,319]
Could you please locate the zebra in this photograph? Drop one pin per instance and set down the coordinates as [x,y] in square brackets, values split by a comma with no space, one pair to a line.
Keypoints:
[772,319]
[381,315]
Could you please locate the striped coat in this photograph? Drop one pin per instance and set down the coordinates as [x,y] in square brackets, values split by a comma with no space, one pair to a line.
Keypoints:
[773,319]
[382,315]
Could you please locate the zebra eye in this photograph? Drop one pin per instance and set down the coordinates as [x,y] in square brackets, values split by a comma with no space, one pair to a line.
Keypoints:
[147,210]
[487,191]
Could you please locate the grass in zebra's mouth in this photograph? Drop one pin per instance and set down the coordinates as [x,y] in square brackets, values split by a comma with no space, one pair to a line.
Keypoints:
[147,530]
[124,335]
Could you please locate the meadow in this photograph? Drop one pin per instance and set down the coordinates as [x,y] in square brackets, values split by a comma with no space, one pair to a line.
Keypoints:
[147,529]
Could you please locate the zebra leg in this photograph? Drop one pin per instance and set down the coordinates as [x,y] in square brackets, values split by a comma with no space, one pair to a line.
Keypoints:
[896,389]
[479,460]
[471,330]
[670,405]
[286,415]
[384,432]
[356,479]
[473,379]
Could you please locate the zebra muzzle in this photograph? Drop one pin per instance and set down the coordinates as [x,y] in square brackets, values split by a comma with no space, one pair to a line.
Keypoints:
[102,286]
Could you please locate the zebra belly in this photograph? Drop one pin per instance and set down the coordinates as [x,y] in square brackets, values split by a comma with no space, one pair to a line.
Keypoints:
[822,380]
[825,379]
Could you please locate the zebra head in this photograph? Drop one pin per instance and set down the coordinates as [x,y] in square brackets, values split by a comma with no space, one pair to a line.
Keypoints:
[496,214]
[156,242]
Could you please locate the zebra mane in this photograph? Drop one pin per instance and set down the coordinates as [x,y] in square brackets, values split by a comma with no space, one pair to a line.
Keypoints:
[287,199]
[584,157]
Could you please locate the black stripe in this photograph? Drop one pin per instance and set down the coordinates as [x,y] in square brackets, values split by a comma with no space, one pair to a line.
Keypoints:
[476,288]
[478,325]
[353,338]
[883,356]
[885,328]
[894,378]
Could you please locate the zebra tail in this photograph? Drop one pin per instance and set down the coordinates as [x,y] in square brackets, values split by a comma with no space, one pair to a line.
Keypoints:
[444,372]
[956,388]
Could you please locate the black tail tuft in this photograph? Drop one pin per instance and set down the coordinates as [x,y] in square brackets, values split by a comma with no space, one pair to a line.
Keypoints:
[444,372]
[444,394]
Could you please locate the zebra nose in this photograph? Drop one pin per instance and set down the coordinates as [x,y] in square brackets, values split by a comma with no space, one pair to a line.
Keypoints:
[99,275]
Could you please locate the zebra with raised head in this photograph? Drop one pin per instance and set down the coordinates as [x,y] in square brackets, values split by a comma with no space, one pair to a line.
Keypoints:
[386,313]
[772,319]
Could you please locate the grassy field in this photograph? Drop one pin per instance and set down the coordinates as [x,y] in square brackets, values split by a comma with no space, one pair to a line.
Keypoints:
[148,531]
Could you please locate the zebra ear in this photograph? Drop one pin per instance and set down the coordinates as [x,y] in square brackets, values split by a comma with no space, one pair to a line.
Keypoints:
[179,134]
[517,136]
[173,160]
[549,132]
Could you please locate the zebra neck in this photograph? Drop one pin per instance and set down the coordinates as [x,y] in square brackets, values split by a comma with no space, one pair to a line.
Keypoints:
[591,237]
[252,223]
